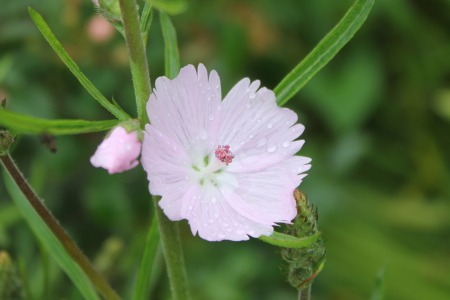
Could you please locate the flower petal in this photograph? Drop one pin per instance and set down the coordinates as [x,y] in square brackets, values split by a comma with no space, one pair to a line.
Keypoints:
[266,197]
[210,215]
[188,109]
[258,131]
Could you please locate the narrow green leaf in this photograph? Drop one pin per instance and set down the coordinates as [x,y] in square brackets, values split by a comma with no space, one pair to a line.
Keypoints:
[172,7]
[26,124]
[148,262]
[146,21]
[289,241]
[324,51]
[378,292]
[54,43]
[172,58]
[50,242]
[6,63]
[118,26]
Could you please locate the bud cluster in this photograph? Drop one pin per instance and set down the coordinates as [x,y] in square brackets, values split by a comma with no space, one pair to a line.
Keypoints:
[303,264]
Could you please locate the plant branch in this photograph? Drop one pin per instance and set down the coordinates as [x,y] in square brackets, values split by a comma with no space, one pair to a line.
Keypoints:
[170,239]
[69,245]
[137,56]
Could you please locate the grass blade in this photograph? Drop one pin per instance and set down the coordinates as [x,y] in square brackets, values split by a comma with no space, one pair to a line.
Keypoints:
[26,124]
[54,43]
[50,242]
[288,241]
[146,21]
[148,262]
[324,51]
[172,57]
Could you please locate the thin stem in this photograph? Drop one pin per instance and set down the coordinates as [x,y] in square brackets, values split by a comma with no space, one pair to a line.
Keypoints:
[170,239]
[72,249]
[305,293]
[136,54]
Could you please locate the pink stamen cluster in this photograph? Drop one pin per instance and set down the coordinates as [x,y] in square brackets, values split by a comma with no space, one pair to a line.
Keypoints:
[224,154]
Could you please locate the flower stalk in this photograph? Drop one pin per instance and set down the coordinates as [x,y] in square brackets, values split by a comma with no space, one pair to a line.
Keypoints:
[69,245]
[136,54]
[173,254]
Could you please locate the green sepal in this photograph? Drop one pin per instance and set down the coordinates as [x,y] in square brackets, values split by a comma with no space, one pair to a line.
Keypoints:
[324,51]
[289,241]
[146,21]
[118,26]
[109,9]
[30,125]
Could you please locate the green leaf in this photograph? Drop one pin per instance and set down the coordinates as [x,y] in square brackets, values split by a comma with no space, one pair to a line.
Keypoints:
[378,292]
[6,63]
[50,242]
[289,241]
[26,124]
[172,7]
[324,51]
[148,262]
[54,43]
[146,21]
[172,58]
[118,26]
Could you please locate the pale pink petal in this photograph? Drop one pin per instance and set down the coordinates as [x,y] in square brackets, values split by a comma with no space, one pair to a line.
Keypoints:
[210,215]
[267,197]
[259,132]
[187,109]
[118,152]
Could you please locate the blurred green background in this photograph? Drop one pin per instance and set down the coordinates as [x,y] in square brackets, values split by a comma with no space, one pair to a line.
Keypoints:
[377,128]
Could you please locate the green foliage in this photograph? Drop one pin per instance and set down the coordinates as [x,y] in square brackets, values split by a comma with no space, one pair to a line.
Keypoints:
[25,124]
[289,241]
[52,245]
[324,51]
[172,7]
[172,57]
[378,291]
[11,287]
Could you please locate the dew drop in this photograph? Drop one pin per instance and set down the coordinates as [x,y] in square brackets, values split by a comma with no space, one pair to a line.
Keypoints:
[252,96]
[121,141]
[205,224]
[269,125]
[229,229]
[272,147]
[186,177]
[251,136]
[211,221]
[225,225]
[203,134]
[286,144]
[168,114]
[190,207]
[128,147]
[219,107]
[211,117]
[213,200]
[216,216]
[103,145]
[248,105]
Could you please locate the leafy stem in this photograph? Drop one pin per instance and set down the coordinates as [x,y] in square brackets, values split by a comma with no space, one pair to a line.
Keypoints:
[136,54]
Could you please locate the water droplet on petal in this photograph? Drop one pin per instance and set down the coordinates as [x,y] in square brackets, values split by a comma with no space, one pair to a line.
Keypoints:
[225,225]
[211,221]
[251,136]
[286,144]
[269,125]
[219,107]
[211,117]
[248,105]
[240,232]
[216,216]
[168,114]
[252,96]
[272,147]
[203,134]
[190,207]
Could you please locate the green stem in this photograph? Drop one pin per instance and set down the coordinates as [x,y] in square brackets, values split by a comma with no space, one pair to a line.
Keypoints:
[136,54]
[305,293]
[170,239]
[69,245]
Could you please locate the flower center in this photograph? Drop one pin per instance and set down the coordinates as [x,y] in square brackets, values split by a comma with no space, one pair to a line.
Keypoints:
[224,154]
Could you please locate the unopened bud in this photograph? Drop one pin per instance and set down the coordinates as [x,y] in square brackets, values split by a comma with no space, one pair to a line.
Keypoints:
[119,151]
[11,287]
[303,264]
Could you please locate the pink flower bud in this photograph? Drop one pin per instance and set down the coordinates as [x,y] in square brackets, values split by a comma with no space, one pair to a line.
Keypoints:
[118,152]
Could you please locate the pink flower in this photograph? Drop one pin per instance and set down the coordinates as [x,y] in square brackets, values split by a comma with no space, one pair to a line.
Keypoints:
[118,152]
[95,2]
[228,167]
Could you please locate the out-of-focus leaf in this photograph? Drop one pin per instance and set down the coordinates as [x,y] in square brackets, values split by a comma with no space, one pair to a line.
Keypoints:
[148,262]
[324,51]
[288,241]
[172,57]
[172,7]
[26,124]
[378,292]
[54,43]
[50,242]
[6,63]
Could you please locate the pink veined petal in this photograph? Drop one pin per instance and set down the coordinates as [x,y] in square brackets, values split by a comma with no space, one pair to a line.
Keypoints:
[266,197]
[210,215]
[188,109]
[167,166]
[260,133]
